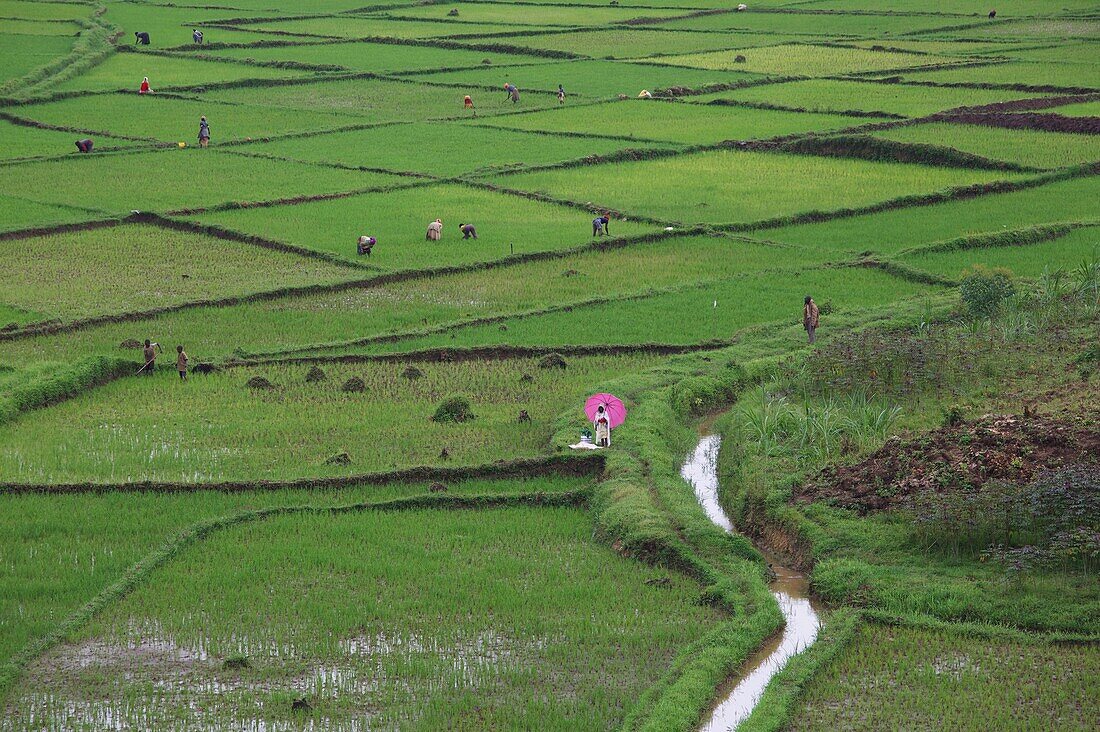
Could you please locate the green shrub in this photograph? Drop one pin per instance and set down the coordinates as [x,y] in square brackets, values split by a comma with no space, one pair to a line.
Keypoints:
[983,291]
[455,408]
[698,395]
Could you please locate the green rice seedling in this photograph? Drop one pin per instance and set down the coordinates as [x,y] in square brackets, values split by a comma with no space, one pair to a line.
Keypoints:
[505,225]
[1063,52]
[938,47]
[801,60]
[375,100]
[19,316]
[345,316]
[728,187]
[831,95]
[19,213]
[688,314]
[137,267]
[1013,73]
[21,141]
[362,26]
[1033,148]
[1010,8]
[442,149]
[1064,253]
[493,12]
[1084,109]
[23,53]
[170,26]
[587,78]
[1058,29]
[83,543]
[330,7]
[640,42]
[125,71]
[529,622]
[831,26]
[374,57]
[13,26]
[43,10]
[654,120]
[892,231]
[172,120]
[972,682]
[175,179]
[215,428]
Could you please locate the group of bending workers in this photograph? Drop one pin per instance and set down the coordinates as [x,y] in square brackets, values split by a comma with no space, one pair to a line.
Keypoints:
[435,233]
[141,38]
[513,94]
[365,243]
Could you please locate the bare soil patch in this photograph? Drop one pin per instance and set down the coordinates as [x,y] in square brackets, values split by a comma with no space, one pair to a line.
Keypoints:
[967,455]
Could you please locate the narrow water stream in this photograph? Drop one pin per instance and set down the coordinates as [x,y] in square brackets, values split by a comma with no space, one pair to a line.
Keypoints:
[737,698]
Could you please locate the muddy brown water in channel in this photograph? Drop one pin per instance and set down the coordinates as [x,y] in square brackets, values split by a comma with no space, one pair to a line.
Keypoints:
[737,697]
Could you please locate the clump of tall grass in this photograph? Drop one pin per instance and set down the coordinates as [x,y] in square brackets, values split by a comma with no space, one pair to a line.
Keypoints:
[814,431]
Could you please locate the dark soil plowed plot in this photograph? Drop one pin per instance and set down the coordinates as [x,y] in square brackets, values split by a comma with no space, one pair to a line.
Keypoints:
[995,447]
[1046,122]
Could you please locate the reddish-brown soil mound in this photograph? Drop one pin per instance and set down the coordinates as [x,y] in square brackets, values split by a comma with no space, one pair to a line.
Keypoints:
[995,447]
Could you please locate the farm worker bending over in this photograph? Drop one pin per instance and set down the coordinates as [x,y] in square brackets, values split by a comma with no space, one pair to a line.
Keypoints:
[468,103]
[144,88]
[196,36]
[84,145]
[181,362]
[603,427]
[204,132]
[468,231]
[810,315]
[366,243]
[599,226]
[435,230]
[513,92]
[149,353]
[141,38]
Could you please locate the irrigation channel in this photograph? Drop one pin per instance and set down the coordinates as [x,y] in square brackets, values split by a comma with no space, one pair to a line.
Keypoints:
[736,699]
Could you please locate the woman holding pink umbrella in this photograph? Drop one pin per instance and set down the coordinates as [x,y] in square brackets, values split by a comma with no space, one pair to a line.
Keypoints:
[606,412]
[602,426]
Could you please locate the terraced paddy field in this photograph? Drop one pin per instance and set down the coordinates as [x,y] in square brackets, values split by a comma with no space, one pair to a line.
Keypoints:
[356,489]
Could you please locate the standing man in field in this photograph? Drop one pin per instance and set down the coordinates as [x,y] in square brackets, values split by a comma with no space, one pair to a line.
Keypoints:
[149,353]
[204,132]
[810,315]
[181,362]
[561,94]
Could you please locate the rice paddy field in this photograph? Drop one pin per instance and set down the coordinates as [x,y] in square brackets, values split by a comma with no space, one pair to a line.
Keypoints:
[359,507]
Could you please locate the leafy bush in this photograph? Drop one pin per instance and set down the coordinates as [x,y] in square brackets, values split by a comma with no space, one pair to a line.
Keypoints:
[455,408]
[984,291]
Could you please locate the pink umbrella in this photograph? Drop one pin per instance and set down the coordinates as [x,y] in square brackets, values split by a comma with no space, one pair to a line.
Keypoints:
[616,412]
